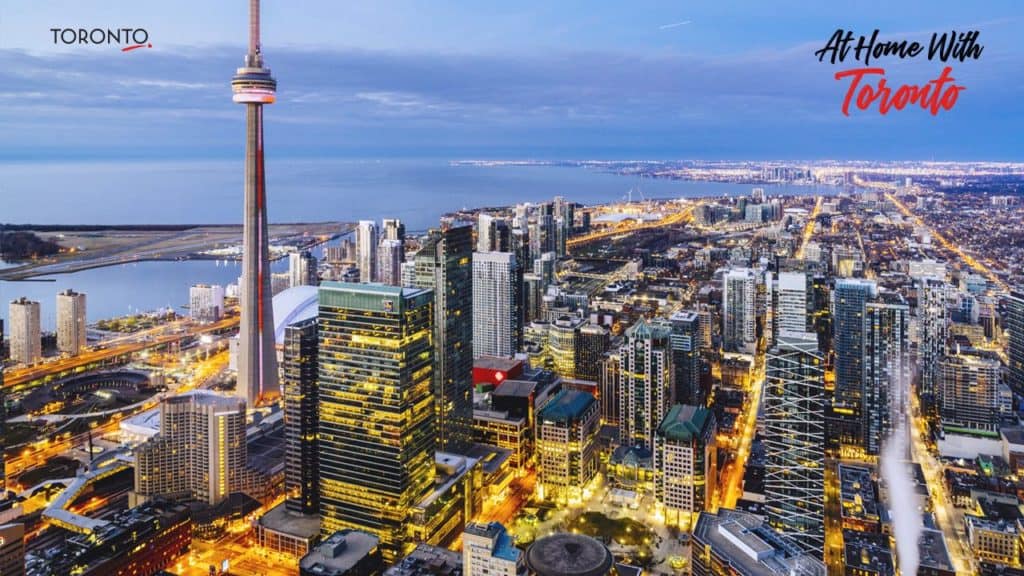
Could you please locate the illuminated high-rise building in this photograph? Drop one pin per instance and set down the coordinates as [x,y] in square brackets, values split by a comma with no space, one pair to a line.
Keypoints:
[739,320]
[567,428]
[686,464]
[200,451]
[887,367]
[301,416]
[645,382]
[377,435]
[26,342]
[70,322]
[563,334]
[794,410]
[933,333]
[445,265]
[497,310]
[790,298]
[366,250]
[592,343]
[970,394]
[1015,350]
[850,298]
[686,361]
[253,86]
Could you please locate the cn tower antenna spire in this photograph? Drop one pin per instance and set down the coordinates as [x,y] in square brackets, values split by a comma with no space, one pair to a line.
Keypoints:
[254,27]
[254,87]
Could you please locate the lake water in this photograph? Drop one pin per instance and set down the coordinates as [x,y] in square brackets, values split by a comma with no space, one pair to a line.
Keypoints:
[418,192]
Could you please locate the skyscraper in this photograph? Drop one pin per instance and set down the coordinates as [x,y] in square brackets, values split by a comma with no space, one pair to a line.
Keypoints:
[70,322]
[850,299]
[933,332]
[686,464]
[887,367]
[563,333]
[302,416]
[686,358]
[567,428]
[390,256]
[377,435]
[253,86]
[485,233]
[970,393]
[1015,351]
[645,382]
[394,229]
[739,323]
[497,314]
[445,265]
[200,451]
[26,344]
[302,269]
[206,302]
[592,344]
[366,250]
[794,410]
[789,304]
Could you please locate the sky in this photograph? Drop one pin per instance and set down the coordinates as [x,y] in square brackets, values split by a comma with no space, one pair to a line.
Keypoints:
[572,79]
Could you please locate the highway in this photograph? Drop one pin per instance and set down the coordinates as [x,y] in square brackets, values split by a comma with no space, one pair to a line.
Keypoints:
[680,217]
[19,379]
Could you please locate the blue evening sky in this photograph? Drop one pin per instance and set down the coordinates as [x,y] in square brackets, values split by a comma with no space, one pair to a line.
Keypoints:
[525,79]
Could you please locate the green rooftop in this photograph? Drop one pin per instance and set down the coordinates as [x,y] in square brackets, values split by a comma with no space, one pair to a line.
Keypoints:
[566,406]
[684,422]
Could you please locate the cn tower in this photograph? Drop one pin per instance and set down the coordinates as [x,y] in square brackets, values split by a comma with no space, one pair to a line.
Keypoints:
[257,364]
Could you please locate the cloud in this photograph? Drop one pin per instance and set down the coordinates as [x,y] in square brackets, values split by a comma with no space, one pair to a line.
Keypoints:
[779,100]
[673,25]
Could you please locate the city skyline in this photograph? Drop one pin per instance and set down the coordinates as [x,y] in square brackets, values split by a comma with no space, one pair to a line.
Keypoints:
[498,366]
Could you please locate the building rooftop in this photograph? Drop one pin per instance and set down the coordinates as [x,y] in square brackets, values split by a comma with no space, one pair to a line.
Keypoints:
[683,423]
[568,555]
[283,521]
[857,493]
[504,548]
[868,552]
[428,560]
[342,551]
[749,546]
[567,405]
[933,552]
[496,363]
[518,388]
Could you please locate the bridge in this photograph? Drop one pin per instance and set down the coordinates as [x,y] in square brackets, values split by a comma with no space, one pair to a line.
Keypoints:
[57,512]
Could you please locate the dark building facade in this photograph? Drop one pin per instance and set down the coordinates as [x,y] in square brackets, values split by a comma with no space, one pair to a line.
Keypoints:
[445,265]
[592,343]
[302,416]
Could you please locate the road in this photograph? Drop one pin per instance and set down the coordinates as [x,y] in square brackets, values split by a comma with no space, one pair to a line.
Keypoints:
[19,379]
[809,228]
[39,452]
[979,267]
[732,478]
[945,516]
[680,217]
